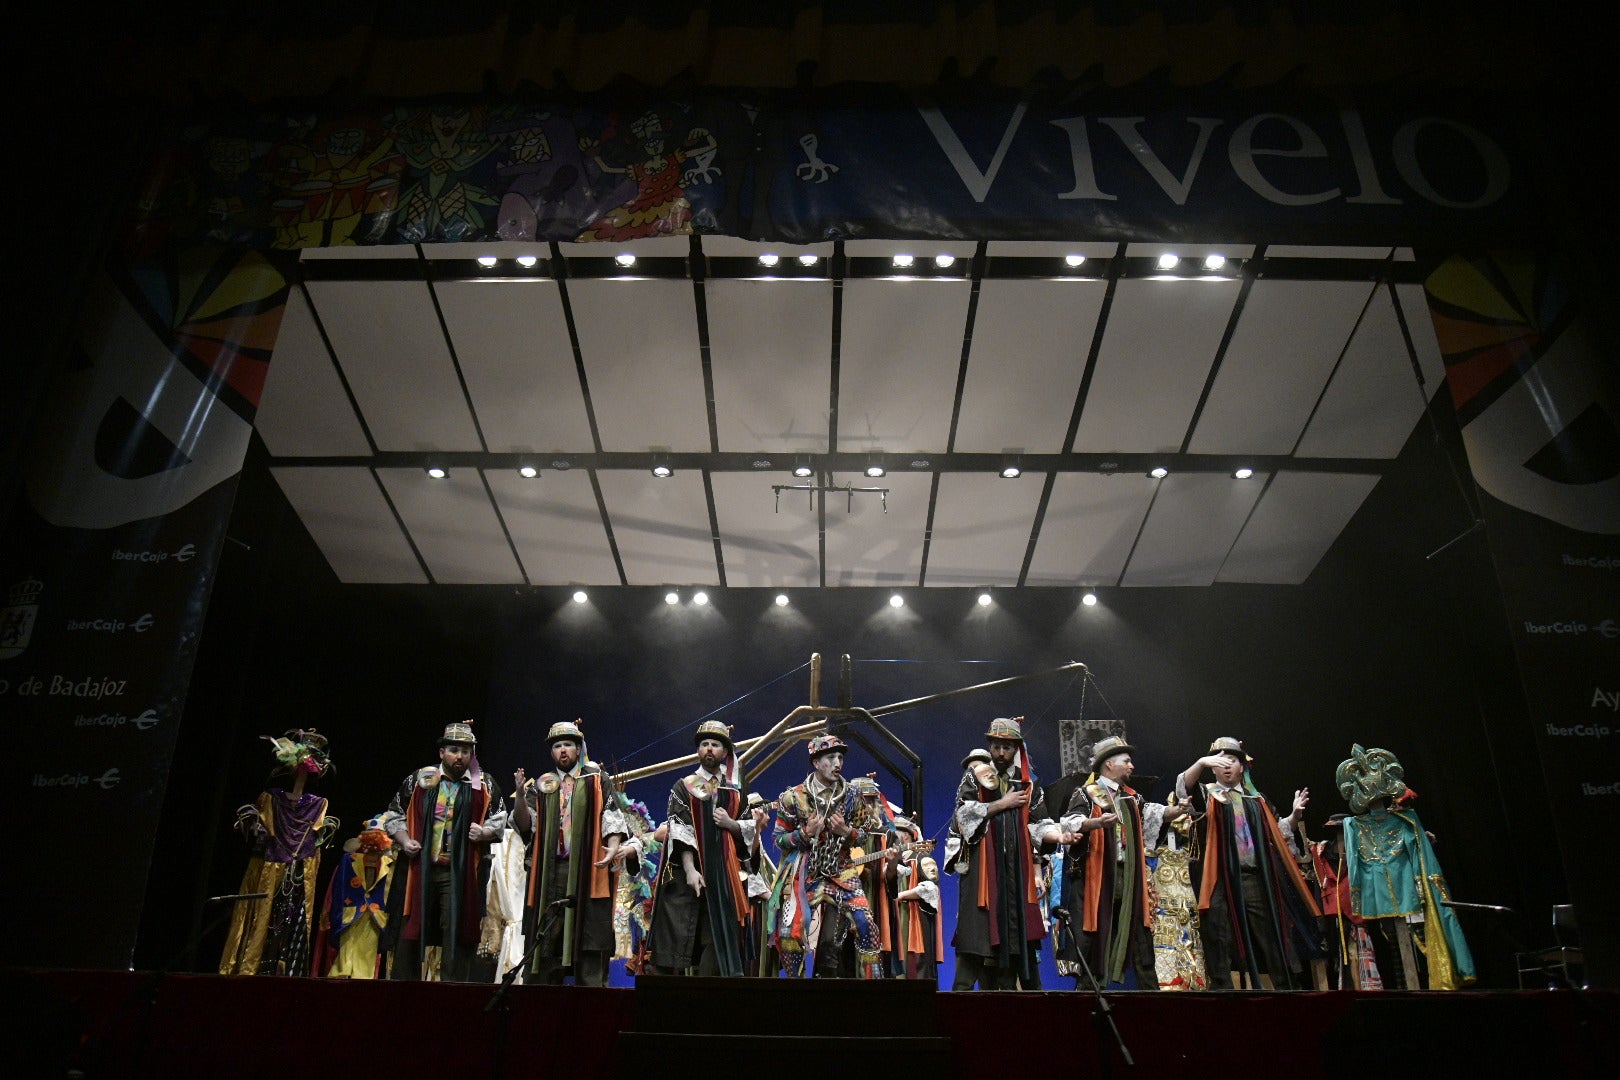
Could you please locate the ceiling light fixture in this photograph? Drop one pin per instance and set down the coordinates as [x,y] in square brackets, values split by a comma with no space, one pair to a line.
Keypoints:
[921,463]
[984,599]
[769,259]
[944,260]
[487,261]
[1011,472]
[662,471]
[527,261]
[1090,599]
[625,260]
[781,599]
[1214,262]
[579,596]
[700,598]
[528,472]
[809,260]
[1158,472]
[1168,261]
[874,471]
[672,598]
[438,472]
[1243,473]
[803,470]
[903,261]
[897,601]
[1072,261]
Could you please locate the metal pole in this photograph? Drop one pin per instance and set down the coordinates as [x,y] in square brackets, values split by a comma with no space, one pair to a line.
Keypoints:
[899,706]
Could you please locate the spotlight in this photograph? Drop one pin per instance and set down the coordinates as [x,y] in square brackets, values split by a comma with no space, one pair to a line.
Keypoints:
[903,261]
[809,260]
[874,471]
[942,260]
[663,472]
[625,260]
[1169,262]
[1072,261]
[1090,599]
[579,596]
[781,599]
[1158,472]
[984,599]
[527,261]
[802,471]
[1214,262]
[487,261]
[438,472]
[897,601]
[1011,472]
[1243,473]
[528,472]
[920,463]
[700,598]
[768,259]
[672,598]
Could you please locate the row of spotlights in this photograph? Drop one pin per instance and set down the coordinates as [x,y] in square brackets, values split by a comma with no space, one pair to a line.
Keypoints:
[1167,261]
[525,261]
[942,260]
[698,598]
[769,259]
[664,472]
[701,599]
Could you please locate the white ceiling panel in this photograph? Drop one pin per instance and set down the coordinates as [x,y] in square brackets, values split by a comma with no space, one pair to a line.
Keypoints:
[661,527]
[512,341]
[304,411]
[1190,528]
[647,247]
[735,247]
[981,528]
[640,343]
[1048,249]
[866,546]
[555,526]
[770,352]
[1287,340]
[1090,527]
[1030,343]
[349,520]
[900,350]
[1295,523]
[1415,306]
[391,348]
[1161,340]
[453,525]
[882,249]
[1373,399]
[765,542]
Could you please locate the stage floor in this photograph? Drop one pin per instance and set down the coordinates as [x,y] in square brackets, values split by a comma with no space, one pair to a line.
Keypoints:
[137,1024]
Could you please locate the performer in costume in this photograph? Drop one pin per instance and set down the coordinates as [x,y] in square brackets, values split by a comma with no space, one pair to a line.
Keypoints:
[1395,880]
[818,898]
[1257,912]
[1001,816]
[920,937]
[574,824]
[286,829]
[349,945]
[757,957]
[1107,891]
[1178,947]
[702,906]
[443,819]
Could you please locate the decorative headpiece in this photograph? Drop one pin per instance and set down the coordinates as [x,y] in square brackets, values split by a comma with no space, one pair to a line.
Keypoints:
[565,729]
[981,754]
[865,787]
[826,744]
[1004,728]
[372,839]
[1369,775]
[1112,746]
[1228,745]
[713,729]
[300,750]
[459,732]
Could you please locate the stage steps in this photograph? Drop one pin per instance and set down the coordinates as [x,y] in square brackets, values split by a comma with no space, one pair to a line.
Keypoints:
[877,1023]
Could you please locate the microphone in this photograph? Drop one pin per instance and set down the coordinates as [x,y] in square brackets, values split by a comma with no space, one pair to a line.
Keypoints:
[236,896]
[1478,907]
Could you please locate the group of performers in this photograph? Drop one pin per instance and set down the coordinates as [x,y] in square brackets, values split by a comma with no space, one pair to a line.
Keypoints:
[1210,889]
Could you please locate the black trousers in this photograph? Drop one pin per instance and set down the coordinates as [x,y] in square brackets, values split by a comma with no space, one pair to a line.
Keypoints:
[1221,947]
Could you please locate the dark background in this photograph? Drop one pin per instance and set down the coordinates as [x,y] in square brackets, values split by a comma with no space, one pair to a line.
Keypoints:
[1383,645]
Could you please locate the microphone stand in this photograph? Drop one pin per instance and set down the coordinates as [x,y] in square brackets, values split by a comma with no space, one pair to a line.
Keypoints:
[1103,1015]
[497,1001]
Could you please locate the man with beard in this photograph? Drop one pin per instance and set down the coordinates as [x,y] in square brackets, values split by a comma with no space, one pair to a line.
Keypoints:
[702,907]
[441,820]
[818,900]
[574,825]
[1001,815]
[1105,894]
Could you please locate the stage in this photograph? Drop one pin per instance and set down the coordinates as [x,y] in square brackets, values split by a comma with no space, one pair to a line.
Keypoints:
[110,1024]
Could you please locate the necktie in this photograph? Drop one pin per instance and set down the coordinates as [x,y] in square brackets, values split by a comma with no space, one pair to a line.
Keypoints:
[1245,840]
[565,826]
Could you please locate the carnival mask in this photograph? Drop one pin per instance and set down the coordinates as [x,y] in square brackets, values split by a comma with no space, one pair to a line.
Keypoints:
[1369,775]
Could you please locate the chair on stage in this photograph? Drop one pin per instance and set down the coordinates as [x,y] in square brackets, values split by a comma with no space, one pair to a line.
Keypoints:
[1553,965]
